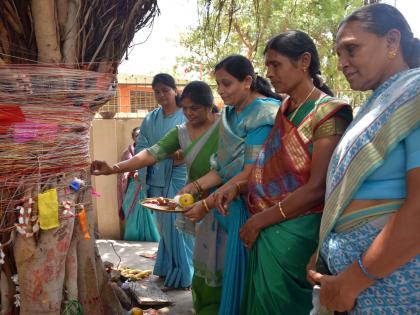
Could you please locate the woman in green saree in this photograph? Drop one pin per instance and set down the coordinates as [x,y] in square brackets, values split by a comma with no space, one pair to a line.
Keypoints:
[198,145]
[286,186]
[197,140]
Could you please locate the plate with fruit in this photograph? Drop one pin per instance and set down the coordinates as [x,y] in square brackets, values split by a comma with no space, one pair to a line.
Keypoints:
[163,204]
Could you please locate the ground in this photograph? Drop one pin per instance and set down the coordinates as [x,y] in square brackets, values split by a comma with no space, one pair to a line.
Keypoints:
[128,254]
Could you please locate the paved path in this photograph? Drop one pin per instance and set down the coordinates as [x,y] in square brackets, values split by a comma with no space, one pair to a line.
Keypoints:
[127,254]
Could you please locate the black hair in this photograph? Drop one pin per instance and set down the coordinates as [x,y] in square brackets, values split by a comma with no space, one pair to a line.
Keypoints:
[199,93]
[133,132]
[293,44]
[240,67]
[168,80]
[379,19]
[165,79]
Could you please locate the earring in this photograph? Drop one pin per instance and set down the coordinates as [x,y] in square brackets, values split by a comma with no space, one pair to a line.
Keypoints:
[392,54]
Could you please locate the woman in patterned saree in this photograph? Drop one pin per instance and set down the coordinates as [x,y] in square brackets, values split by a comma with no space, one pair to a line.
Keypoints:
[286,186]
[370,236]
[245,123]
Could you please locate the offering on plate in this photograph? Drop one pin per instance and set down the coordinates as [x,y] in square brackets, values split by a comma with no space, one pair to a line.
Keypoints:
[168,205]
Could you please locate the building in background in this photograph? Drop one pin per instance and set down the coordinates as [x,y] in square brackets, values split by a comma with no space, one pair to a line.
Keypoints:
[134,95]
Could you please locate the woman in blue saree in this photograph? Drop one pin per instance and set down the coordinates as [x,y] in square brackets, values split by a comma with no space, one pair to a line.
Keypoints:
[139,222]
[245,124]
[369,235]
[165,178]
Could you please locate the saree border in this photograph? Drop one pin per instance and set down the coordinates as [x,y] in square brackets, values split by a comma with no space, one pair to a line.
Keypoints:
[367,160]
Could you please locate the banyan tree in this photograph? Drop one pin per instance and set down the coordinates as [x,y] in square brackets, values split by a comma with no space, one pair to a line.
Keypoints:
[58,60]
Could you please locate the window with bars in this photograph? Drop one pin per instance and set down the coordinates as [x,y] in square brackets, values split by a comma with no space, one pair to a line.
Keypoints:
[113,105]
[142,100]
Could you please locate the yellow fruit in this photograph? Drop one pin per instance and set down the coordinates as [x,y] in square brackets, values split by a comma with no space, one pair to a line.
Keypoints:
[136,311]
[186,200]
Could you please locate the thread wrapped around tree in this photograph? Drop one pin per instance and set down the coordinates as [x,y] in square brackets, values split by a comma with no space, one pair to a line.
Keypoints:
[58,61]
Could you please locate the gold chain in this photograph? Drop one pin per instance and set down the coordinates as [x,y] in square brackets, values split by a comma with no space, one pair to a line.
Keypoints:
[298,107]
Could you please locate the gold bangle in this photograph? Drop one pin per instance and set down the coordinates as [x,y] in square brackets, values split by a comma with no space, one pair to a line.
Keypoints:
[197,186]
[238,187]
[206,207]
[281,210]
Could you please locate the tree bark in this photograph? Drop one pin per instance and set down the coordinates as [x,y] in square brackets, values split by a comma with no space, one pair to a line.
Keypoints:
[46,30]
[70,32]
[41,264]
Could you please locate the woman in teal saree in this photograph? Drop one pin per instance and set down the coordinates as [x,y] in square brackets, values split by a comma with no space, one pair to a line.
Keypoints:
[245,124]
[285,187]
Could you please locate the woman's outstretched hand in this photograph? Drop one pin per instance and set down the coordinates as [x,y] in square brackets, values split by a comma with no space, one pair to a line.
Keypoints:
[224,197]
[101,168]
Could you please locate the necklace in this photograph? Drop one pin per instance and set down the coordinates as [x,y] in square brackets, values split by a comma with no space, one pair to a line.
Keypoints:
[299,106]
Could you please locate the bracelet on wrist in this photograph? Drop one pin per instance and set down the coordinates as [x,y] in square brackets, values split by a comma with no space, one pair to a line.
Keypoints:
[364,271]
[197,186]
[281,210]
[206,207]
[238,188]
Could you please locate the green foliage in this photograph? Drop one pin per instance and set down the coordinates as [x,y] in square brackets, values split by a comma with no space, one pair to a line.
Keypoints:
[244,27]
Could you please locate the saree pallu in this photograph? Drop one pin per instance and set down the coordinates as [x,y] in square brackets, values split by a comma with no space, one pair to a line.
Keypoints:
[174,257]
[197,155]
[398,293]
[276,276]
[228,162]
[208,263]
[209,250]
[388,117]
[140,223]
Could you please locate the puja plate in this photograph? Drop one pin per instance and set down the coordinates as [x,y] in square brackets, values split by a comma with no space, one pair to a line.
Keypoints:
[154,204]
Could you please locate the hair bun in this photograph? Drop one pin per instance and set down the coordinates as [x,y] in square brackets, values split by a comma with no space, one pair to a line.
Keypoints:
[320,79]
[413,58]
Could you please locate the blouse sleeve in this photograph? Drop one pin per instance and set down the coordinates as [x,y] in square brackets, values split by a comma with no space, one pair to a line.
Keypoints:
[412,149]
[335,125]
[254,141]
[166,146]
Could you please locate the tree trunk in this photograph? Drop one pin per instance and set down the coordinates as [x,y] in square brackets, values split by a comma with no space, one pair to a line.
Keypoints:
[71,27]
[46,30]
[58,265]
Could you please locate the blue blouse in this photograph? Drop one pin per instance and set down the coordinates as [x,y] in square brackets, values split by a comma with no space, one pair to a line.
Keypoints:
[389,180]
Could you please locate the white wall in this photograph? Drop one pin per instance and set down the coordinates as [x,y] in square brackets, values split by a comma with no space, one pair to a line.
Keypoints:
[109,138]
